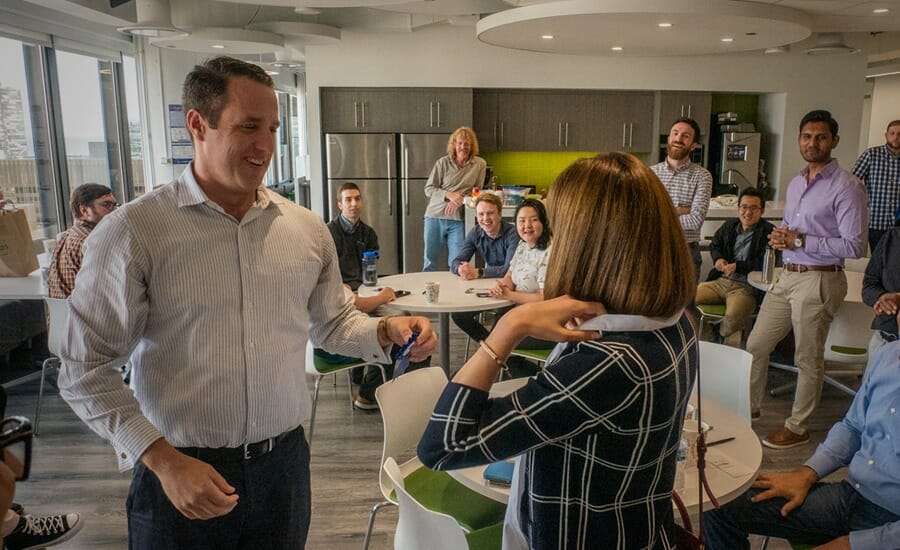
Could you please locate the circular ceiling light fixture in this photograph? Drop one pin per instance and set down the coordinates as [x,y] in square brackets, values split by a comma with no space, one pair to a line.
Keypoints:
[547,36]
[880,10]
[664,25]
[727,39]
[154,19]
[617,48]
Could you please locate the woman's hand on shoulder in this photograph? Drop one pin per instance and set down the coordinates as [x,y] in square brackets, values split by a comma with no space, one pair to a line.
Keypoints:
[556,320]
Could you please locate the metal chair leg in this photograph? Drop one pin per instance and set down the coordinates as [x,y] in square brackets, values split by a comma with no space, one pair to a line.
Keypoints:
[371,525]
[37,411]
[312,415]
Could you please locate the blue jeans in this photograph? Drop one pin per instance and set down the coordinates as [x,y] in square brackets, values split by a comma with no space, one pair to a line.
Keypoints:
[831,510]
[438,231]
[273,507]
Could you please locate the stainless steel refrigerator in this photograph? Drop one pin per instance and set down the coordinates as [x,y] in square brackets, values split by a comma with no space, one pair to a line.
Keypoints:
[418,153]
[392,186]
[739,160]
[369,161]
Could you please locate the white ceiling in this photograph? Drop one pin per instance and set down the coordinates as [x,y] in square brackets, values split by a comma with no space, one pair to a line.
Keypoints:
[584,27]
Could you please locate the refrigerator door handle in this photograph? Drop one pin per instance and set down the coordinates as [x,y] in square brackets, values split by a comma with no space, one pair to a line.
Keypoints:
[390,187]
[406,179]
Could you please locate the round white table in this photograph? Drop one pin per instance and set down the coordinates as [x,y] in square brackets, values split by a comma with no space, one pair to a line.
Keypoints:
[452,298]
[28,287]
[731,467]
[854,283]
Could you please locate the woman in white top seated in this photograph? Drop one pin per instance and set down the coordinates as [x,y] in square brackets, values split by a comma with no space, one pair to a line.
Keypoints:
[524,282]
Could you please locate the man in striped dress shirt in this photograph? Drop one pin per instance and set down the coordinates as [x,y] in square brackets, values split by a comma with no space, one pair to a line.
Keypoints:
[879,168]
[213,285]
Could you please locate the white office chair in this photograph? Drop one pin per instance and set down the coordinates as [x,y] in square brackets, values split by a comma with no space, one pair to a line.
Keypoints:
[406,404]
[418,527]
[56,334]
[846,347]
[320,367]
[726,377]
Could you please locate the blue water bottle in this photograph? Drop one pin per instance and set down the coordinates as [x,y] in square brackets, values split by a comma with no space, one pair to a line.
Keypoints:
[370,268]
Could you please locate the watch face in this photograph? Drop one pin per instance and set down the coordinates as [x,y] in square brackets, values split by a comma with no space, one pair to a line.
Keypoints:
[798,242]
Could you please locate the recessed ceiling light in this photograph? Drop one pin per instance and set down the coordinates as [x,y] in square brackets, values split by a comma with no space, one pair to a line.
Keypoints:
[664,25]
[271,73]
[547,36]
[218,46]
[616,48]
[727,39]
[880,10]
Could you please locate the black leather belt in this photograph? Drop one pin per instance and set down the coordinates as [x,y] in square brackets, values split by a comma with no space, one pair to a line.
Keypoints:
[244,452]
[800,268]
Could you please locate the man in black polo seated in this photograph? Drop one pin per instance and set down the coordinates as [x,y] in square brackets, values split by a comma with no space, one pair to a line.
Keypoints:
[737,248]
[881,289]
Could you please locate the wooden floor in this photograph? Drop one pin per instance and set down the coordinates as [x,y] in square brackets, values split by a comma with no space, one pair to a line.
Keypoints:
[74,470]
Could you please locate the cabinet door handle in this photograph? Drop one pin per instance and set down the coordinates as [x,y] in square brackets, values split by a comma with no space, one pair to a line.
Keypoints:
[356,114]
[363,105]
[630,134]
[567,134]
[559,136]
[682,110]
[624,127]
[501,134]
[439,114]
[431,114]
[496,135]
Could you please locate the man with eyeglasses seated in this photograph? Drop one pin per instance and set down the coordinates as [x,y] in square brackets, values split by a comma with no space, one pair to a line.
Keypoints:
[90,202]
[737,248]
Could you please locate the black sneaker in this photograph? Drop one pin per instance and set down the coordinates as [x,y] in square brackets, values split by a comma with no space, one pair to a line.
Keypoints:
[42,531]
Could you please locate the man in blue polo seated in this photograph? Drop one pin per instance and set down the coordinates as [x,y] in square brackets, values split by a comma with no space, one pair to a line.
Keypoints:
[860,513]
[738,247]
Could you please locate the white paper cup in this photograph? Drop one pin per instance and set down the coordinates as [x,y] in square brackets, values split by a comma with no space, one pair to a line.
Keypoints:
[432,292]
[690,413]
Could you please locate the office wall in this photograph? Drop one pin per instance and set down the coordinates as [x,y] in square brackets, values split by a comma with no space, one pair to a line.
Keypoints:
[885,107]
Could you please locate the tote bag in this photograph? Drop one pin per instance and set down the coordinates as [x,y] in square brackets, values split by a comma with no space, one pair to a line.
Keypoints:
[17,256]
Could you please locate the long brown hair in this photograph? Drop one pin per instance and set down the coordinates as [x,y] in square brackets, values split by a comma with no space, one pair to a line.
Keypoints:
[464,133]
[617,239]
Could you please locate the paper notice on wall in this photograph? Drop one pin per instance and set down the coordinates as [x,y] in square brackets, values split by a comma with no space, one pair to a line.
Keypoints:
[179,138]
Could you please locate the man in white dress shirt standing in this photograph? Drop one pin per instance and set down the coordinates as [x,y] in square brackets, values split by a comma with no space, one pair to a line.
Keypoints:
[212,284]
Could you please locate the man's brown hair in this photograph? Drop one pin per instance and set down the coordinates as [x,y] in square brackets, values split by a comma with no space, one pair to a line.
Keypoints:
[206,87]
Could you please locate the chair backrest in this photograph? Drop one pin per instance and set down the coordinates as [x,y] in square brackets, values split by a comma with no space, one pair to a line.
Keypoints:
[310,359]
[406,404]
[59,323]
[725,377]
[418,527]
[850,329]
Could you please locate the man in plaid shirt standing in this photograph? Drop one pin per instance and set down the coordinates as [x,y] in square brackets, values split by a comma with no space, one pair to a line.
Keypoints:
[879,168]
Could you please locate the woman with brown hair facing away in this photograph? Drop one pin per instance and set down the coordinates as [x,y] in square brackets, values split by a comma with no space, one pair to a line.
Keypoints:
[598,429]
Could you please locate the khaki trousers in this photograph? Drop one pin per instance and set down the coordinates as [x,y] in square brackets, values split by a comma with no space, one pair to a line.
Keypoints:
[807,303]
[739,299]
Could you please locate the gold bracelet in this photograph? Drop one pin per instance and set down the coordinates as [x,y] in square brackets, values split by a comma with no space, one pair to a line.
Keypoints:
[500,363]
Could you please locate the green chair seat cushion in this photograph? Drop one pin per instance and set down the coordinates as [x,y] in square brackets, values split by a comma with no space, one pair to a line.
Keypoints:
[487,538]
[536,354]
[717,310]
[846,350]
[438,491]
[324,366]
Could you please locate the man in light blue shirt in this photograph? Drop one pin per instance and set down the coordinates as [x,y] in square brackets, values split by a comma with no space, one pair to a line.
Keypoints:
[860,513]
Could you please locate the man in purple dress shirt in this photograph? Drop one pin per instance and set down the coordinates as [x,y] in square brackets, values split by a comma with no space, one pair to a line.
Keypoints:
[825,221]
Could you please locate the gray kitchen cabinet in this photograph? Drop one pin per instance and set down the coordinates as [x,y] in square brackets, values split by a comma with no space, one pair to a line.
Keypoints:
[627,122]
[362,109]
[499,120]
[564,121]
[696,105]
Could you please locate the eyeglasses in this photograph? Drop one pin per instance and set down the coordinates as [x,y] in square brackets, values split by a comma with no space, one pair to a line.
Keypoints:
[15,442]
[749,208]
[109,205]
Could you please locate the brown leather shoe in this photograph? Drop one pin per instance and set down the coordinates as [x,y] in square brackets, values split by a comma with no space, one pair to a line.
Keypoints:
[784,438]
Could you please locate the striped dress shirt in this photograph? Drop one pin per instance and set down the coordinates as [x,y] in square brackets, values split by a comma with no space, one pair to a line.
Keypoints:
[598,430]
[215,315]
[689,185]
[879,169]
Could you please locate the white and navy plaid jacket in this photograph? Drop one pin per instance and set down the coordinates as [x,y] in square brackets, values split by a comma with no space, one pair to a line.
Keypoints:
[598,429]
